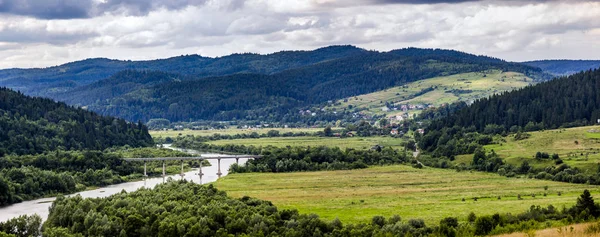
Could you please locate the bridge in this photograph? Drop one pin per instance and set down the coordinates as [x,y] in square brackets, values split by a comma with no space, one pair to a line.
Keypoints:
[182,159]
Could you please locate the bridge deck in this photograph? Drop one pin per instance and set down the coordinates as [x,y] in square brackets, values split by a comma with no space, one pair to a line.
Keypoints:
[192,158]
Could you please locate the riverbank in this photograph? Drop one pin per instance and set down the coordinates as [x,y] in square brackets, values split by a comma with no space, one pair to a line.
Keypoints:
[40,206]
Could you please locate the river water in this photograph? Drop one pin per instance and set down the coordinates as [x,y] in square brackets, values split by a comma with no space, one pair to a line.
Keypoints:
[41,206]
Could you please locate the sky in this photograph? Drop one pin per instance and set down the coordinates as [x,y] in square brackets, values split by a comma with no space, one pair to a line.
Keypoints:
[42,33]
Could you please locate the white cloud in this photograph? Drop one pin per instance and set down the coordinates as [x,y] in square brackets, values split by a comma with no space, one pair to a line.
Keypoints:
[531,30]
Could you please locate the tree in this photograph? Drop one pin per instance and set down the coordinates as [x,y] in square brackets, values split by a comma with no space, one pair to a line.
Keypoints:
[585,202]
[23,226]
[471,218]
[484,225]
[273,133]
[327,131]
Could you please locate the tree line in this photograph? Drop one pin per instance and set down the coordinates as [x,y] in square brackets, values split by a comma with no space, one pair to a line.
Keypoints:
[62,172]
[290,159]
[188,209]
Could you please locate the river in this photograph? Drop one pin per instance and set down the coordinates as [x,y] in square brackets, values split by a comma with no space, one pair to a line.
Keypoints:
[41,206]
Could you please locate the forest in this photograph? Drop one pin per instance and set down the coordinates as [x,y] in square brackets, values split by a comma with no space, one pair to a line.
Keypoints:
[32,125]
[179,208]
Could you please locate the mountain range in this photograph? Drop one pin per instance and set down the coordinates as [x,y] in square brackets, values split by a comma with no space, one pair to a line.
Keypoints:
[244,86]
[564,67]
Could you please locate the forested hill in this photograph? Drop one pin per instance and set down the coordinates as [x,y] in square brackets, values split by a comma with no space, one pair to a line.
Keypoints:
[58,79]
[30,125]
[119,84]
[275,96]
[564,67]
[564,102]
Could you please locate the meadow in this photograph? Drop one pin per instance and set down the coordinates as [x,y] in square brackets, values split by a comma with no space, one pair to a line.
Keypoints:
[229,131]
[355,196]
[447,89]
[577,147]
[343,143]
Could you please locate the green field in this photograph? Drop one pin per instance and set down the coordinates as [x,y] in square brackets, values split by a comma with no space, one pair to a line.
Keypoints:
[482,84]
[350,142]
[431,194]
[230,131]
[577,147]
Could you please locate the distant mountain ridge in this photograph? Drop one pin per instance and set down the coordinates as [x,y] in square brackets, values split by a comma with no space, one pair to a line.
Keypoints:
[243,86]
[564,67]
[57,79]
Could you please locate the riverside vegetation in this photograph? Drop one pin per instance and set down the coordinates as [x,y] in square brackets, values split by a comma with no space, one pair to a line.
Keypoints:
[180,208]
[49,148]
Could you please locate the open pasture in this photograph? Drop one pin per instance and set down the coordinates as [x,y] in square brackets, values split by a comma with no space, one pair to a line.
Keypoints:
[229,131]
[343,143]
[355,196]
[577,147]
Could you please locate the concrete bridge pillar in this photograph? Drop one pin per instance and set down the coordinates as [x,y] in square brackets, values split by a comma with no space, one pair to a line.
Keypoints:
[145,175]
[182,173]
[237,160]
[164,169]
[219,168]
[200,171]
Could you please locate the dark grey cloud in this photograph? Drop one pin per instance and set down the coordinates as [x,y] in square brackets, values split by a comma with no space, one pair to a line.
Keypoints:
[47,9]
[73,9]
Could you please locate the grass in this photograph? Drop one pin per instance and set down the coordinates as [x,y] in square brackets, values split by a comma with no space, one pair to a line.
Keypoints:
[356,196]
[482,84]
[577,147]
[229,131]
[350,142]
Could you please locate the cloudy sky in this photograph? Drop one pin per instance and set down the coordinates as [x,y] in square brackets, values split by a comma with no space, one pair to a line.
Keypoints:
[40,33]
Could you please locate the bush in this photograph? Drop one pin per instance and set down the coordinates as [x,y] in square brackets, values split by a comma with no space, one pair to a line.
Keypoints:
[484,225]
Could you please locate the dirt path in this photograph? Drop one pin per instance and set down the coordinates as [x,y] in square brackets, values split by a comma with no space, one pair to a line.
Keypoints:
[565,231]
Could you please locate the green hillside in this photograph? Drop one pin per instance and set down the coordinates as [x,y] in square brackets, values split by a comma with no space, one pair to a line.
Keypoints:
[465,87]
[30,125]
[278,96]
[564,102]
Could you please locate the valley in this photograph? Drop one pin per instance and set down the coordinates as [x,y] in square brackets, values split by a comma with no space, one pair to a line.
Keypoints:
[299,118]
[415,142]
[432,194]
